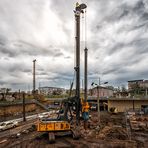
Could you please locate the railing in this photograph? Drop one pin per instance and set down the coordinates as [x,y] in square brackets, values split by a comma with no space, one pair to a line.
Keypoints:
[40,104]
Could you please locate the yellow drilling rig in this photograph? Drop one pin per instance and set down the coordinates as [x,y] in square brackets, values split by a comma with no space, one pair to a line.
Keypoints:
[73,108]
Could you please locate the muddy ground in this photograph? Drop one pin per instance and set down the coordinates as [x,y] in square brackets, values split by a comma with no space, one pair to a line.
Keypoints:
[112,132]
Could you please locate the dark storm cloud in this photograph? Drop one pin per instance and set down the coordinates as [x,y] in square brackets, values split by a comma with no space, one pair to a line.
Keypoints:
[65,77]
[140,46]
[17,68]
[124,14]
[44,30]
[58,54]
[43,73]
[2,82]
[113,70]
[140,26]
[123,11]
[23,48]
[56,79]
[68,57]
[140,10]
[116,19]
[3,40]
[145,16]
[139,7]
[27,70]
[7,52]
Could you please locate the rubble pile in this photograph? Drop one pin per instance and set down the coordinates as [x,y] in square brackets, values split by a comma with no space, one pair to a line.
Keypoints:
[110,132]
[139,123]
[117,133]
[105,129]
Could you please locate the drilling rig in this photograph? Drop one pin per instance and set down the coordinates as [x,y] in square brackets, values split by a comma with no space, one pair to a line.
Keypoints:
[68,119]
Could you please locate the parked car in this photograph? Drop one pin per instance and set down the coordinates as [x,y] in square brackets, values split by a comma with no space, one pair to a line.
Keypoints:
[2,126]
[8,125]
[43,115]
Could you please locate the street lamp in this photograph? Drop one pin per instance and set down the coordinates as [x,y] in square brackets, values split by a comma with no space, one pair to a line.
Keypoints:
[98,97]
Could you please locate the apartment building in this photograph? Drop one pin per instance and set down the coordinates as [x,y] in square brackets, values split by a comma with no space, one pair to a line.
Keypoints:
[101,91]
[51,90]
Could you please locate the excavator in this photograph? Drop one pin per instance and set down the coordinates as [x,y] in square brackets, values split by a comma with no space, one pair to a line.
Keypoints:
[73,109]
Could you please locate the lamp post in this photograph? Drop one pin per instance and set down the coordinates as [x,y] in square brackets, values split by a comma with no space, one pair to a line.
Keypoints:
[98,96]
[24,112]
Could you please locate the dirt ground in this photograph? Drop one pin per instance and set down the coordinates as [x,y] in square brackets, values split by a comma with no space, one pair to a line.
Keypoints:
[111,132]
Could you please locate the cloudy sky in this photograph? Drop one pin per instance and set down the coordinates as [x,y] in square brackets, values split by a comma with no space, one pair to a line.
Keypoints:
[117,40]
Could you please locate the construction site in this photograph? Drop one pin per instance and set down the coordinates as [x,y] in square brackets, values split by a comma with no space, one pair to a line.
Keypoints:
[74,121]
[122,130]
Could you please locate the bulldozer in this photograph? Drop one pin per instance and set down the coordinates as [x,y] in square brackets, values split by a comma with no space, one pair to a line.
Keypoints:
[73,108]
[113,110]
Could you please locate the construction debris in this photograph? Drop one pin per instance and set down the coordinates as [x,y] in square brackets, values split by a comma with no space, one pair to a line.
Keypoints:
[110,132]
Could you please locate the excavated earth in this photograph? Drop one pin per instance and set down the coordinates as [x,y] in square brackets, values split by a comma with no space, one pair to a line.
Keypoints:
[111,132]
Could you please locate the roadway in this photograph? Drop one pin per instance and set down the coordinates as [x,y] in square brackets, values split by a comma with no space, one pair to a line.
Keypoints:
[28,117]
[17,130]
[30,120]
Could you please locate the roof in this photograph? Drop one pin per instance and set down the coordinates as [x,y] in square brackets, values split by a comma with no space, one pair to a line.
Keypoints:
[129,99]
[135,80]
[118,99]
[102,87]
[50,87]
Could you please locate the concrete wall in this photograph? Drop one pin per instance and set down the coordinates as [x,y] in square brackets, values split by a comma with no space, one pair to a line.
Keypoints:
[15,109]
[123,105]
[103,92]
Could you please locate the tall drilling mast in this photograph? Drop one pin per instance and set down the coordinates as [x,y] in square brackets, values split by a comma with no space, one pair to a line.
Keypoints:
[85,74]
[78,10]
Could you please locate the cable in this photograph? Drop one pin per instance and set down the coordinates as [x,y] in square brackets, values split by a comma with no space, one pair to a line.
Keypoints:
[73,79]
[74,76]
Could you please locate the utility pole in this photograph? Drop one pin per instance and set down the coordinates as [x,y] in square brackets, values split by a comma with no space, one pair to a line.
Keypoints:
[34,82]
[19,94]
[24,112]
[39,87]
[98,96]
[98,102]
[99,81]
[82,87]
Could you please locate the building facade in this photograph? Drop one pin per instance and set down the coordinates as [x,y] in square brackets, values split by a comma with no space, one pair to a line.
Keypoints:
[138,87]
[137,83]
[101,92]
[122,105]
[51,90]
[134,83]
